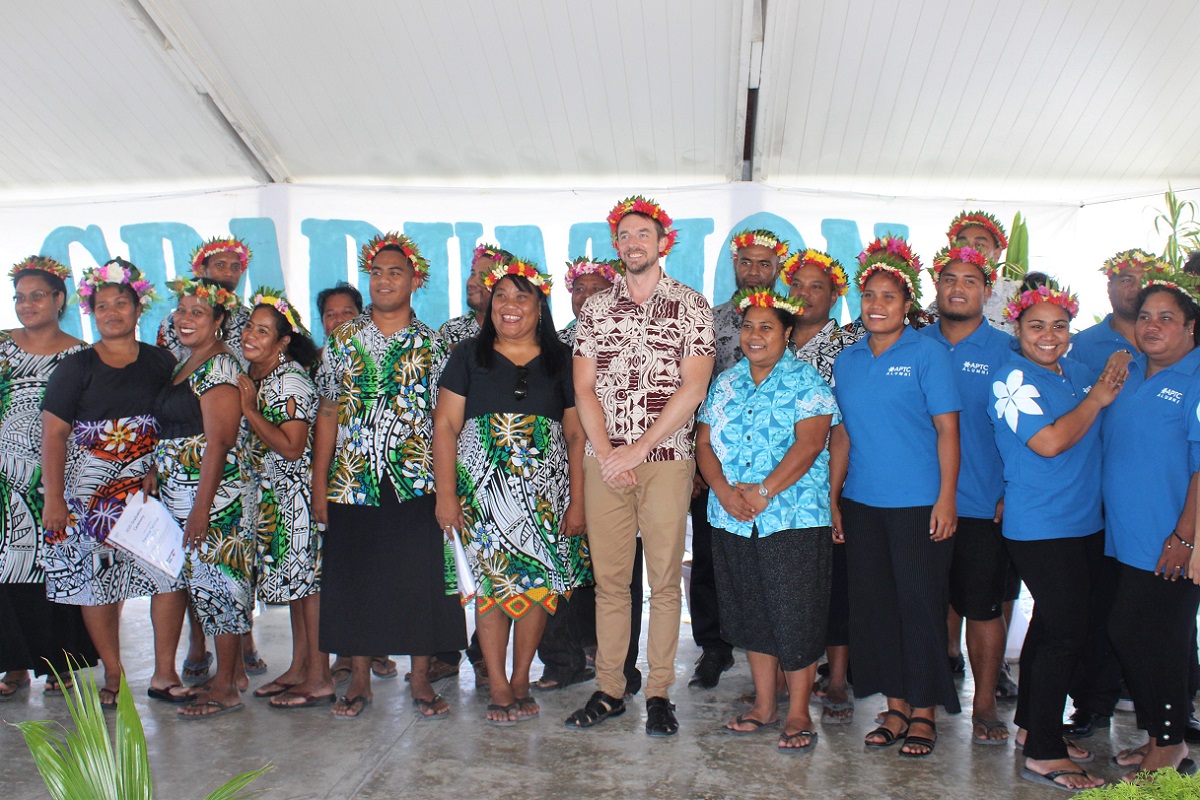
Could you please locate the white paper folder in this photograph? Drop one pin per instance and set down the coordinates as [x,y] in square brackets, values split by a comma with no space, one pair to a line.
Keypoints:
[148,531]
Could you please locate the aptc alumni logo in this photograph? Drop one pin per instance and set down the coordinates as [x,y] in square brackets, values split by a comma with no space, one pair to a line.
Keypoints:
[899,372]
[1173,395]
[976,368]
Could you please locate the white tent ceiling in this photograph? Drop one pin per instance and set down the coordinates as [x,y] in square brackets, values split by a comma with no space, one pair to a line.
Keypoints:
[1026,99]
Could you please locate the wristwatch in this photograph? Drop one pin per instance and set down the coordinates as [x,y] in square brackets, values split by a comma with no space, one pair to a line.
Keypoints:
[762,491]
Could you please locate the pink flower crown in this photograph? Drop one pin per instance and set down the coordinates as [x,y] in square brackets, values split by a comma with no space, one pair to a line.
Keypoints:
[823,261]
[43,264]
[983,220]
[767,298]
[212,295]
[608,270]
[1050,293]
[525,269]
[492,251]
[891,254]
[640,205]
[217,245]
[967,255]
[117,271]
[406,246]
[760,237]
[266,296]
[1135,259]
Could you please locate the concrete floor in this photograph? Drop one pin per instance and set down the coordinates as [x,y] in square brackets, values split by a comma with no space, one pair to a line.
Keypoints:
[389,752]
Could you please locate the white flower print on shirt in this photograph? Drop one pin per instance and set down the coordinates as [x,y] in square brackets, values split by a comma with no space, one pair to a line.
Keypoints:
[1014,397]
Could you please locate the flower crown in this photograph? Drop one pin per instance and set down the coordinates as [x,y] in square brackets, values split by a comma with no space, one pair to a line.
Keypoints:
[266,296]
[967,255]
[40,263]
[213,295]
[525,269]
[767,298]
[640,205]
[393,239]
[116,271]
[1134,259]
[891,254]
[606,269]
[760,237]
[983,220]
[823,261]
[1049,293]
[492,251]
[217,245]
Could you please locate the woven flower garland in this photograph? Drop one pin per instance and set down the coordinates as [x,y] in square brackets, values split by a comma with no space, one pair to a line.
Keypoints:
[640,205]
[1149,263]
[891,254]
[760,237]
[206,293]
[606,269]
[967,255]
[275,299]
[767,298]
[823,261]
[405,245]
[116,271]
[984,220]
[218,245]
[492,252]
[1050,293]
[43,264]
[525,269]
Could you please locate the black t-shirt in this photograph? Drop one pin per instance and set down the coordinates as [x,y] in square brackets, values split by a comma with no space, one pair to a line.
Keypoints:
[493,391]
[85,389]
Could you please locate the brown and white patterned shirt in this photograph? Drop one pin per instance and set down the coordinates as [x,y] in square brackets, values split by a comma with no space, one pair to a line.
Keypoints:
[639,350]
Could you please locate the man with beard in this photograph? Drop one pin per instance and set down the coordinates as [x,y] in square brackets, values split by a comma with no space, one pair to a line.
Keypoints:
[979,567]
[756,255]
[643,357]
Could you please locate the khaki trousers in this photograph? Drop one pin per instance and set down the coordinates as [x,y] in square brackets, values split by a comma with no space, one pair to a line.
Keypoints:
[657,506]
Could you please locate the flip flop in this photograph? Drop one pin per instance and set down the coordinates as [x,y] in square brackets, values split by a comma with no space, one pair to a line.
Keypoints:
[384,668]
[266,689]
[221,709]
[111,703]
[511,708]
[988,727]
[524,702]
[357,704]
[756,725]
[831,709]
[254,664]
[345,672]
[9,687]
[425,708]
[194,672]
[166,696]
[53,688]
[791,737]
[1048,778]
[306,700]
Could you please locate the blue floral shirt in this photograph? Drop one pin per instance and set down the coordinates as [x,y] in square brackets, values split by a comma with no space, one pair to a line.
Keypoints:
[752,427]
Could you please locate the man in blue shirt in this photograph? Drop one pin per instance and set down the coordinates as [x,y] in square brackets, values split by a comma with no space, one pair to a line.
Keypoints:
[979,568]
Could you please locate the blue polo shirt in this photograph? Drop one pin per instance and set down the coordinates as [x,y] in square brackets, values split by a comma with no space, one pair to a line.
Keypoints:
[752,428]
[1151,445]
[976,360]
[1045,498]
[887,407]
[1094,345]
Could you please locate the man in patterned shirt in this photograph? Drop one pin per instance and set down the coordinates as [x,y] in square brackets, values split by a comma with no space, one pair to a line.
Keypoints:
[384,587]
[643,357]
[462,327]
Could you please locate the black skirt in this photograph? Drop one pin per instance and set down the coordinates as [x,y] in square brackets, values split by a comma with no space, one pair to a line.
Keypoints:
[383,585]
[34,631]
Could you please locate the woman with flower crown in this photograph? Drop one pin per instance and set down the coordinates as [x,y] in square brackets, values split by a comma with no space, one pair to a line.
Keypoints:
[1046,422]
[508,461]
[894,474]
[200,484]
[34,633]
[99,435]
[760,445]
[279,404]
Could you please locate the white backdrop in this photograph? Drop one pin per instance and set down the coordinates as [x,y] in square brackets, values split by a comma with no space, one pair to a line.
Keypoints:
[307,237]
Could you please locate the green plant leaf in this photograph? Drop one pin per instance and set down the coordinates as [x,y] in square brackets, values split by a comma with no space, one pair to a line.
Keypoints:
[235,789]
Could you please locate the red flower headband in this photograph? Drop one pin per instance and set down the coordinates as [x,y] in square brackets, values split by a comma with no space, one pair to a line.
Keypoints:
[767,298]
[608,270]
[525,269]
[212,295]
[891,254]
[823,261]
[640,205]
[405,245]
[491,251]
[983,220]
[218,245]
[43,264]
[1049,293]
[967,255]
[760,237]
[1134,259]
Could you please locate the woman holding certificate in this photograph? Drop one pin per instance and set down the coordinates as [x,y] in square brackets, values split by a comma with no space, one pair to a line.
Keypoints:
[99,434]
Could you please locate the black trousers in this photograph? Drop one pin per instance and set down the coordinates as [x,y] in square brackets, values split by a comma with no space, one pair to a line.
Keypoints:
[1060,574]
[1096,685]
[1152,627]
[702,597]
[899,598]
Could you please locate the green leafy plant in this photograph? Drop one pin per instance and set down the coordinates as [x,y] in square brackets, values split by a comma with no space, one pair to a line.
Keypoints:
[1166,784]
[1016,261]
[85,763]
[1178,220]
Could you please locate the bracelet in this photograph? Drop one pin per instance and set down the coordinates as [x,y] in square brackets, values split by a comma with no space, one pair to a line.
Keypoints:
[1183,541]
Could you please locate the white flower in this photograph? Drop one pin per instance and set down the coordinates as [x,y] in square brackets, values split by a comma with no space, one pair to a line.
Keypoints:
[114,273]
[1014,397]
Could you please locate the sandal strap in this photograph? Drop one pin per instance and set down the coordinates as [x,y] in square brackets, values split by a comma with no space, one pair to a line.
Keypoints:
[891,712]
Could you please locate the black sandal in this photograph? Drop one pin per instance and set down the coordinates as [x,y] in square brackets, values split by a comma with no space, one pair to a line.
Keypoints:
[921,741]
[889,738]
[599,707]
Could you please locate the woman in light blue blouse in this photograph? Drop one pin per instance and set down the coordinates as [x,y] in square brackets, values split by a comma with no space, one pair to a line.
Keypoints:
[760,445]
